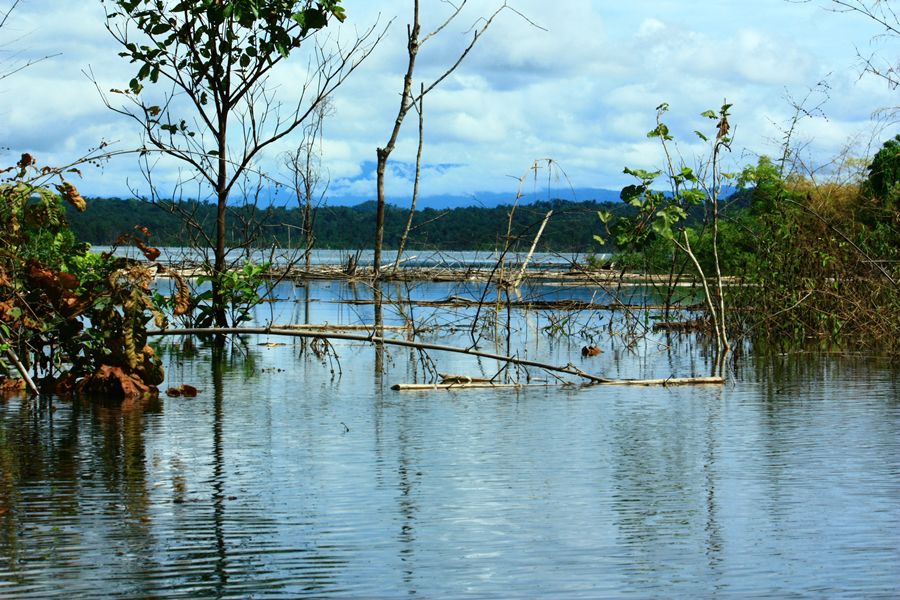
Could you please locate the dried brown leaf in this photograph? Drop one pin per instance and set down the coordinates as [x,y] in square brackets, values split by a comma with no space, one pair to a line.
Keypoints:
[71,195]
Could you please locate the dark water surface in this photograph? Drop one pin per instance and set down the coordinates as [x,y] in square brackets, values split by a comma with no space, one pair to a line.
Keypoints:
[283,480]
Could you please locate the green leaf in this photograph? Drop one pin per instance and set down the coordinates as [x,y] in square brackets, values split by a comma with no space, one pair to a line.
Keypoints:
[599,240]
[695,197]
[315,18]
[662,228]
[688,174]
[645,176]
[661,130]
[709,114]
[631,192]
[701,136]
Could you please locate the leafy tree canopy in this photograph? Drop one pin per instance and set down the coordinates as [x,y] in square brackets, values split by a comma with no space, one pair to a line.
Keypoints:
[884,172]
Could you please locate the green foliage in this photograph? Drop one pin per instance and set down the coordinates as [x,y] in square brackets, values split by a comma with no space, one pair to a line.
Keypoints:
[350,227]
[201,36]
[880,204]
[240,290]
[765,185]
[883,184]
[815,267]
[66,312]
[220,47]
[816,260]
[662,216]
[212,60]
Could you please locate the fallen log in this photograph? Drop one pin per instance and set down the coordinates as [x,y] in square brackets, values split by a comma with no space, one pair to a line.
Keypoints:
[568,369]
[335,327]
[421,387]
[562,305]
[666,382]
[449,379]
[457,385]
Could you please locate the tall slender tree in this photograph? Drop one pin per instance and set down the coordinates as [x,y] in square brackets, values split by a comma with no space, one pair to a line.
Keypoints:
[209,102]
[409,100]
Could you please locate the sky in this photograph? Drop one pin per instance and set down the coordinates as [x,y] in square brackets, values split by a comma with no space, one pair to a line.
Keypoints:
[575,82]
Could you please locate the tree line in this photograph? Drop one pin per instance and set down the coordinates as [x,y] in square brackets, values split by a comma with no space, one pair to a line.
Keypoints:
[571,229]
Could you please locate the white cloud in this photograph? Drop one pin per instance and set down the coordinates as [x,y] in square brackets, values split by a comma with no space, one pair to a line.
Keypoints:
[584,92]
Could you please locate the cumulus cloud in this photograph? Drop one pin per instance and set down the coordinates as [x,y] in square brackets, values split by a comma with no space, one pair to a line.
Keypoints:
[580,86]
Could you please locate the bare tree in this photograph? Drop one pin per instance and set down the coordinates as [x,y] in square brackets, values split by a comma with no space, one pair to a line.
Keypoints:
[408,100]
[308,177]
[420,110]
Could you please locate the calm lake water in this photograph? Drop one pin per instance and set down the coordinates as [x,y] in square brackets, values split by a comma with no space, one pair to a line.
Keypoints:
[295,475]
[411,258]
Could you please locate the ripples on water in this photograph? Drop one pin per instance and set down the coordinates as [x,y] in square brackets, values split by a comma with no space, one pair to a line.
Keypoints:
[294,483]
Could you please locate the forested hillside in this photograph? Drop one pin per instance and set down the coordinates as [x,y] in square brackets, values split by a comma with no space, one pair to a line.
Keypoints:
[471,228]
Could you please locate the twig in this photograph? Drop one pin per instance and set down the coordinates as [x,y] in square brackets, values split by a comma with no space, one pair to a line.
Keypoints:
[518,279]
[10,353]
[405,387]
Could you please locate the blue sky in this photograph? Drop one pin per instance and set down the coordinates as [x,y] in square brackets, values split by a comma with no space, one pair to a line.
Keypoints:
[582,92]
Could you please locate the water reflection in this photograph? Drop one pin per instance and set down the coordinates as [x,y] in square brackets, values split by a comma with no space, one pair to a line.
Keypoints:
[218,480]
[282,480]
[72,474]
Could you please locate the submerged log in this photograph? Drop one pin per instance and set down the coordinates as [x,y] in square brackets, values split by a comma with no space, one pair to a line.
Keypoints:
[692,325]
[339,327]
[562,305]
[463,385]
[448,378]
[421,387]
[666,382]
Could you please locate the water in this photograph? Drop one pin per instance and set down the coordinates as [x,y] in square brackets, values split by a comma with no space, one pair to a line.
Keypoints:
[411,258]
[285,479]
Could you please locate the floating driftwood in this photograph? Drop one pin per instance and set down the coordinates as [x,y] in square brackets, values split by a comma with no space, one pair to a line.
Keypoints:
[337,327]
[568,369]
[422,387]
[463,385]
[666,382]
[692,325]
[573,305]
[450,379]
